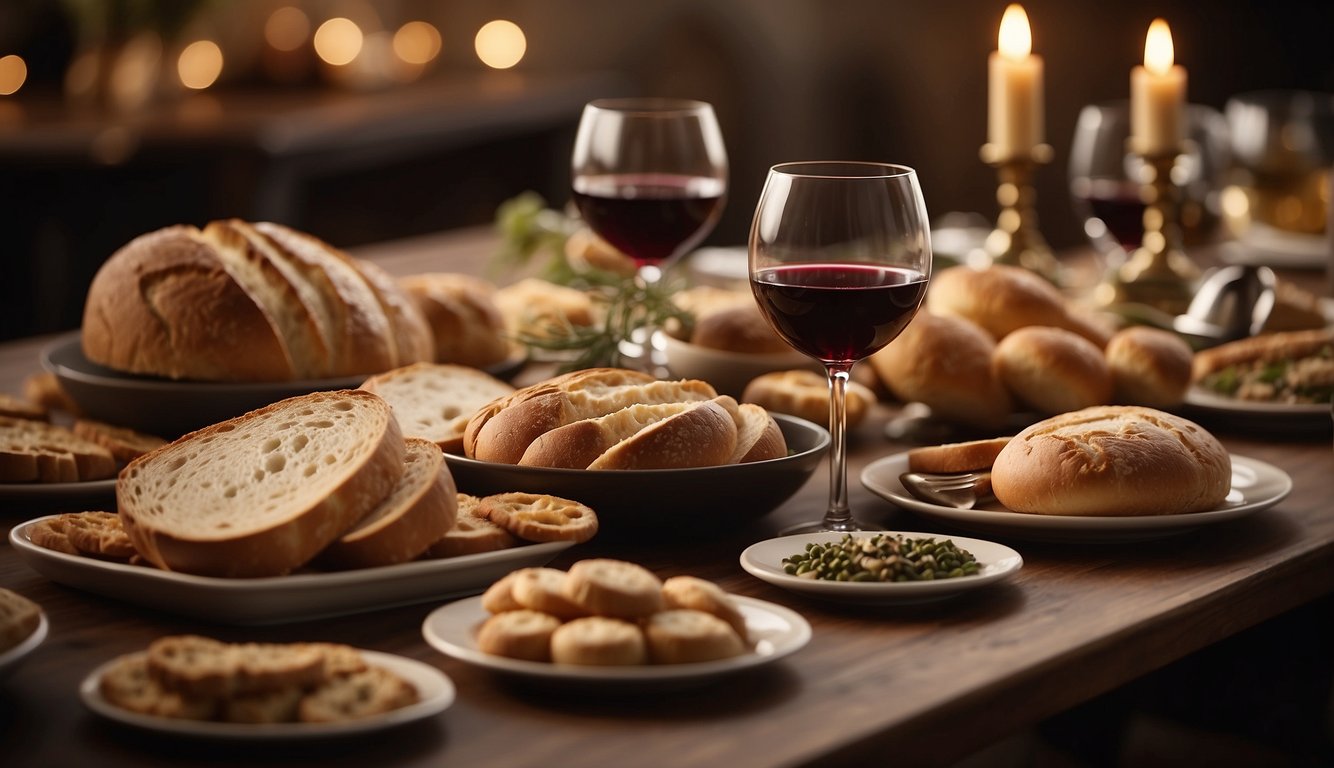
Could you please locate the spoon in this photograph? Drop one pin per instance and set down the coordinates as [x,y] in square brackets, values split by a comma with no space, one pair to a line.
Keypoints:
[961,491]
[1233,302]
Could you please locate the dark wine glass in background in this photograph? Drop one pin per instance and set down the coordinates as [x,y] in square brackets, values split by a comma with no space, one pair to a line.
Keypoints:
[840,257]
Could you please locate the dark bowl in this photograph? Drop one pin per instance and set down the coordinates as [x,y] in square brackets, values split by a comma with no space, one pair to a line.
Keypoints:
[667,501]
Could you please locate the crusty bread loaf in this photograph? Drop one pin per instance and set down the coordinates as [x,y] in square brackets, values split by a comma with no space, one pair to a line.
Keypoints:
[465,321]
[418,512]
[704,434]
[945,362]
[242,302]
[805,394]
[1149,367]
[1052,370]
[953,458]
[539,308]
[1112,460]
[536,410]
[737,329]
[263,493]
[435,401]
[1002,298]
[35,451]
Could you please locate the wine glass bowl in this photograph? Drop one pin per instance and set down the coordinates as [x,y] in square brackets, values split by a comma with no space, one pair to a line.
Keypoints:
[840,257]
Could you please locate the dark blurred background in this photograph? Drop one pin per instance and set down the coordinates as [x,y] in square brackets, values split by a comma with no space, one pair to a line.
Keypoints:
[102,142]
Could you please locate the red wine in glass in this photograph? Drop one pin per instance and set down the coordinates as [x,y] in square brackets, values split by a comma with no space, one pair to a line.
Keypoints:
[838,313]
[650,217]
[1118,205]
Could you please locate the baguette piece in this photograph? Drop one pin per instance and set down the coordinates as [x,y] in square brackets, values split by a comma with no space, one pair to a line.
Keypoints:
[585,395]
[415,514]
[575,446]
[263,493]
[703,435]
[1267,348]
[759,438]
[435,401]
[35,451]
[1112,461]
[953,458]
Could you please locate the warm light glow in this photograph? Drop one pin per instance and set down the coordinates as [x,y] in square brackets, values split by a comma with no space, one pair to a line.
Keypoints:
[13,73]
[287,29]
[200,64]
[1158,52]
[500,44]
[417,42]
[1015,39]
[338,41]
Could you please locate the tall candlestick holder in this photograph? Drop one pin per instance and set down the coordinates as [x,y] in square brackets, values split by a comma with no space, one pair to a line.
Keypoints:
[1016,240]
[1159,273]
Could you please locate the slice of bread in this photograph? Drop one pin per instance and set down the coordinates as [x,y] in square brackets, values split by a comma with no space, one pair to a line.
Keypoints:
[18,408]
[702,435]
[953,458]
[370,692]
[758,436]
[35,451]
[436,401]
[125,444]
[575,446]
[263,493]
[415,514]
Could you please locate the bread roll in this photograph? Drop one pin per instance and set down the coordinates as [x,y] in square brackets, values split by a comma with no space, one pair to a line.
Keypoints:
[1053,370]
[1112,460]
[737,329]
[945,362]
[466,324]
[703,435]
[1002,299]
[534,307]
[242,302]
[805,394]
[1149,367]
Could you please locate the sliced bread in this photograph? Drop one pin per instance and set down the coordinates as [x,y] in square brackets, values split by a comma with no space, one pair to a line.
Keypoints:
[125,444]
[702,435]
[759,437]
[416,514]
[436,401]
[575,446]
[35,451]
[263,493]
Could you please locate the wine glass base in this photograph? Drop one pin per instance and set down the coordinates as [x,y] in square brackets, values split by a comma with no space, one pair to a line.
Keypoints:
[822,526]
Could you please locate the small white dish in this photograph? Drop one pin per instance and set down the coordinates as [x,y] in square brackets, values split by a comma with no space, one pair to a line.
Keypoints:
[774,630]
[764,560]
[280,599]
[729,372]
[10,659]
[1272,418]
[434,689]
[1256,485]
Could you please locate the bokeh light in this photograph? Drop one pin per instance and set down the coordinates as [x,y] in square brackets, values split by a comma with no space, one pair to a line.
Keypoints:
[338,41]
[287,29]
[200,64]
[13,73]
[500,44]
[417,42]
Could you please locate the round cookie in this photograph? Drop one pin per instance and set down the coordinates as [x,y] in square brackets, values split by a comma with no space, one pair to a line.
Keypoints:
[521,634]
[540,517]
[616,588]
[702,595]
[685,636]
[598,641]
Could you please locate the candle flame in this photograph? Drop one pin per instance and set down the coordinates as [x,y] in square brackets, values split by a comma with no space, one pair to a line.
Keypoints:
[1015,39]
[1158,51]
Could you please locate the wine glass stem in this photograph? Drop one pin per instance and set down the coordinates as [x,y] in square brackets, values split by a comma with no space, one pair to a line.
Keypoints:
[838,517]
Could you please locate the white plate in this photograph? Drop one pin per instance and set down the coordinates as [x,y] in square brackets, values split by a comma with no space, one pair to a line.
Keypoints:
[9,660]
[1264,245]
[70,497]
[776,632]
[764,560]
[1256,485]
[435,690]
[280,599]
[1269,417]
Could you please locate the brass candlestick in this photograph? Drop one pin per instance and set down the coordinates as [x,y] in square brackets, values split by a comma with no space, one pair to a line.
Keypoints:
[1158,273]
[1016,239]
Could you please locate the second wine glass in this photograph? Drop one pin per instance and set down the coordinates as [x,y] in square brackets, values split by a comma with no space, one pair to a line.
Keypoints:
[840,257]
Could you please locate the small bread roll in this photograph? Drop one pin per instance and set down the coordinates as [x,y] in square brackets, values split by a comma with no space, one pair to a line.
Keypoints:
[598,641]
[945,363]
[953,458]
[805,394]
[1053,370]
[613,588]
[701,595]
[1002,299]
[521,634]
[543,589]
[1149,367]
[1112,460]
[737,329]
[685,636]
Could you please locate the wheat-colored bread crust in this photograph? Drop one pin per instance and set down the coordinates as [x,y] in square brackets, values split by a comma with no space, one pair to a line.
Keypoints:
[1002,299]
[125,444]
[703,435]
[606,587]
[19,408]
[19,618]
[598,641]
[953,458]
[805,394]
[472,533]
[288,539]
[577,445]
[1112,461]
[687,636]
[1149,367]
[518,634]
[759,438]
[1267,347]
[37,451]
[1053,370]
[416,514]
[466,323]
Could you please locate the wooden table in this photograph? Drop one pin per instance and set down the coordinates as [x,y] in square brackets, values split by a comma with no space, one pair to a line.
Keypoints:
[926,685]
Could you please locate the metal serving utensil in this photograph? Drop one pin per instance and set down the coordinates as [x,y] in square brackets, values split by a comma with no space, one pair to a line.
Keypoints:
[961,491]
[1232,302]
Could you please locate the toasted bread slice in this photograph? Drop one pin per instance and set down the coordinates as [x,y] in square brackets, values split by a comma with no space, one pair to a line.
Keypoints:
[35,451]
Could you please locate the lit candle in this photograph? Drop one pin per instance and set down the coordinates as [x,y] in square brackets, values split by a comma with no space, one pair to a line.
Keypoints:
[1157,96]
[1014,116]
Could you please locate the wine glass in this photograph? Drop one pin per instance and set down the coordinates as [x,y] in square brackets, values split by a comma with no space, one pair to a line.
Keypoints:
[840,256]
[649,176]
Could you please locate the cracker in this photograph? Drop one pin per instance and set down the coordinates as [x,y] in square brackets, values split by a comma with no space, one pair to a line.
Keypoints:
[540,517]
[52,533]
[128,684]
[472,533]
[99,534]
[19,408]
[372,691]
[499,597]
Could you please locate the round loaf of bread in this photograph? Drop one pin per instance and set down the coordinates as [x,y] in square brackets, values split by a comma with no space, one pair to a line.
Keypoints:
[465,321]
[805,394]
[1002,299]
[945,363]
[1149,367]
[1052,370]
[243,302]
[1113,461]
[737,329]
